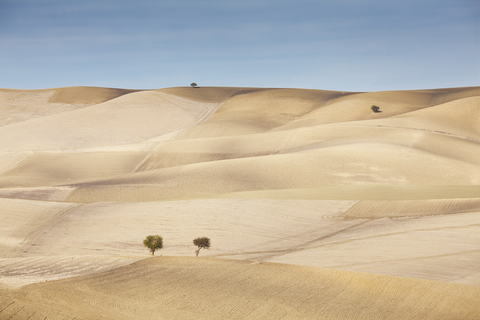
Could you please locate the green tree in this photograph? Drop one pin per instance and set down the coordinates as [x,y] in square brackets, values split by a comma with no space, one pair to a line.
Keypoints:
[201,243]
[375,109]
[153,243]
[193,85]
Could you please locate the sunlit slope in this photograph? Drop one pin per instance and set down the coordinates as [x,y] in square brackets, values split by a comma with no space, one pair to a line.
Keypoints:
[58,168]
[259,110]
[357,107]
[22,105]
[87,95]
[460,117]
[359,156]
[196,288]
[191,142]
[131,118]
[330,167]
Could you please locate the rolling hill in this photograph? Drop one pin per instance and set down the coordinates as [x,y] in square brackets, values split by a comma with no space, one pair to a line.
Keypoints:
[317,207]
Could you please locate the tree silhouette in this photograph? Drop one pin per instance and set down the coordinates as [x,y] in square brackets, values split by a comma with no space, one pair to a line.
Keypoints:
[201,243]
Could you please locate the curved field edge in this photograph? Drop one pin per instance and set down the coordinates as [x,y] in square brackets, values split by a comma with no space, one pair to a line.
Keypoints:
[146,193]
[380,209]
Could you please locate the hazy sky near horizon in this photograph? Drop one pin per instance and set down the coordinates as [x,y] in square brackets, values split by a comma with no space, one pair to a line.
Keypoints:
[351,45]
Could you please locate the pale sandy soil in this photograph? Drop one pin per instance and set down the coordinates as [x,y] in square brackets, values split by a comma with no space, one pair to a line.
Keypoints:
[317,207]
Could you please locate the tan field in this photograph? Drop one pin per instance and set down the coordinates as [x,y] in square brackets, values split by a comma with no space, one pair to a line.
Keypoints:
[316,206]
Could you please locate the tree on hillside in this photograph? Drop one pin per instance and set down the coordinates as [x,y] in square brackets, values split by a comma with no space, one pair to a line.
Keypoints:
[201,243]
[153,243]
[376,109]
[193,85]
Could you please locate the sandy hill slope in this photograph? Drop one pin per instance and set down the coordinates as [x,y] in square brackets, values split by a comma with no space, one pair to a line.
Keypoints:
[21,105]
[190,288]
[308,178]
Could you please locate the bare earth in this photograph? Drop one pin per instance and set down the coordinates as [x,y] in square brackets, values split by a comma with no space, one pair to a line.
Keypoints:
[316,206]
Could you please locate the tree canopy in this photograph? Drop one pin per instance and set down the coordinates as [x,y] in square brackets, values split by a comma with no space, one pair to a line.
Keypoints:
[153,243]
[201,243]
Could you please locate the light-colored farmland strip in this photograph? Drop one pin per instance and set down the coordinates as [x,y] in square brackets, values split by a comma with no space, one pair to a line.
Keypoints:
[16,272]
[404,208]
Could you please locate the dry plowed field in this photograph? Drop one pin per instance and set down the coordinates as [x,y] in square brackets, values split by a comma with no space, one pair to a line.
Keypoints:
[204,288]
[317,207]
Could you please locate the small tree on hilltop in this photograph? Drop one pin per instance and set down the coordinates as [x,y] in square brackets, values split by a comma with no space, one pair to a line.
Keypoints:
[201,243]
[153,243]
[193,85]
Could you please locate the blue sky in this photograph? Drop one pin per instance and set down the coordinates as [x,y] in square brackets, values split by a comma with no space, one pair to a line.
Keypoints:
[351,45]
